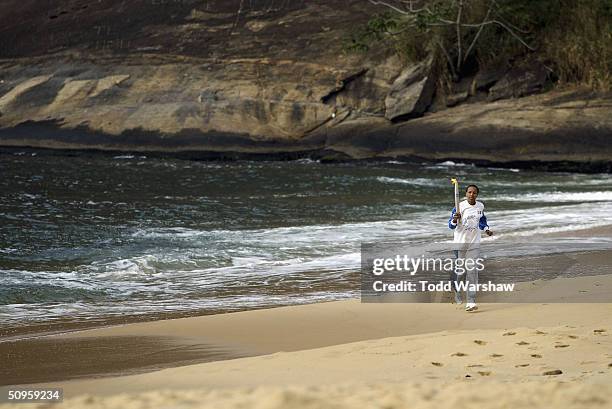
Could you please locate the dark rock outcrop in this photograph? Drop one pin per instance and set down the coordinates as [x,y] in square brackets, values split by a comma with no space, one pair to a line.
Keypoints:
[520,82]
[487,77]
[455,99]
[411,92]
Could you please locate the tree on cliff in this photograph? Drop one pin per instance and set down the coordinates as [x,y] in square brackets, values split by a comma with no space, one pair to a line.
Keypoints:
[455,26]
[572,37]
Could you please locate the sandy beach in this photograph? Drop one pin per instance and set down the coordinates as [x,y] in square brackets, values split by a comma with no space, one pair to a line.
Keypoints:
[533,354]
[342,354]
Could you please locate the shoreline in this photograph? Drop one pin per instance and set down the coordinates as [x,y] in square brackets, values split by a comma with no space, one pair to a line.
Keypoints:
[180,341]
[19,333]
[108,352]
[322,155]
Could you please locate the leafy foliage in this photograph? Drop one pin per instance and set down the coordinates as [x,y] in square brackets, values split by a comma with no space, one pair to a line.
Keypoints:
[573,37]
[375,31]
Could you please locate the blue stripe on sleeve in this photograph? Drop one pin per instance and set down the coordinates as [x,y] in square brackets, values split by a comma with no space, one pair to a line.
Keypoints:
[450,224]
[482,223]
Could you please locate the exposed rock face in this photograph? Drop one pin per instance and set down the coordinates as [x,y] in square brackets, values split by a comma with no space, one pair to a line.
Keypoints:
[366,90]
[548,128]
[486,78]
[261,77]
[457,98]
[539,128]
[520,82]
[169,97]
[411,92]
[268,69]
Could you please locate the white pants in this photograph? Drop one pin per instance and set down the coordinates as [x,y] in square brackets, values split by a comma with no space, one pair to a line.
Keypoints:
[470,275]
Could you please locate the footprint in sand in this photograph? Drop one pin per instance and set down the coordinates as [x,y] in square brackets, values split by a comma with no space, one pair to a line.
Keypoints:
[561,346]
[522,343]
[540,332]
[573,336]
[553,372]
[437,364]
[536,356]
[475,366]
[459,354]
[506,334]
[480,342]
[599,331]
[521,365]
[484,373]
[496,355]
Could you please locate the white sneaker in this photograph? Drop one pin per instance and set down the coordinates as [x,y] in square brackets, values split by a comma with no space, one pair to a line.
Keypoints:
[471,306]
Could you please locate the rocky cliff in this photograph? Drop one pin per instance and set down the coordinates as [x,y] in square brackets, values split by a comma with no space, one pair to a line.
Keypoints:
[227,78]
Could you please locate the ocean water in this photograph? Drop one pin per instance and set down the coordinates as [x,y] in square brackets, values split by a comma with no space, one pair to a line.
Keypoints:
[90,237]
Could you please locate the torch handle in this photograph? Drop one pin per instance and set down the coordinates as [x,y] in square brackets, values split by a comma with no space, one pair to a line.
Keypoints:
[456,197]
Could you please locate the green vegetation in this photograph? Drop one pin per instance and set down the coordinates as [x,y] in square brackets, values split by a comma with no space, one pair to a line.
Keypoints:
[572,37]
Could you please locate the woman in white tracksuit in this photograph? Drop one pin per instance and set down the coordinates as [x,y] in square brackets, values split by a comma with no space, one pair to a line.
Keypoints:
[468,222]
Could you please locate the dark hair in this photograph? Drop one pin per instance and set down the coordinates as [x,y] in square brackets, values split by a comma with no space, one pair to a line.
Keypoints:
[469,186]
